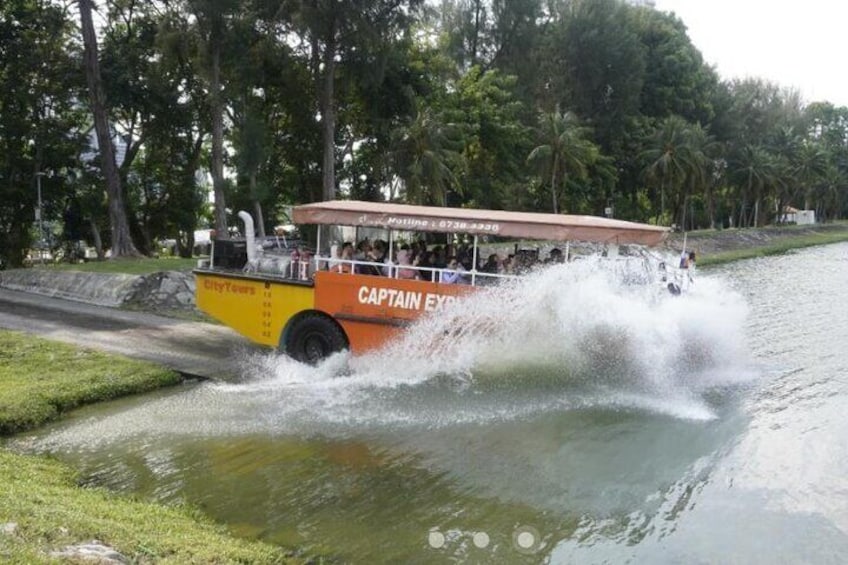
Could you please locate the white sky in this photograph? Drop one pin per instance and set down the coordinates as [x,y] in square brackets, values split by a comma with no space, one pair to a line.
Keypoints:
[800,43]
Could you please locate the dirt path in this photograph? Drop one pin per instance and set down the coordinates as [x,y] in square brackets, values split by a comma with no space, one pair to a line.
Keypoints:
[194,348]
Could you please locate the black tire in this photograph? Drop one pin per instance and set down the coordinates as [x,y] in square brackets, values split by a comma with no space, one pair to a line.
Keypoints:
[674,289]
[314,337]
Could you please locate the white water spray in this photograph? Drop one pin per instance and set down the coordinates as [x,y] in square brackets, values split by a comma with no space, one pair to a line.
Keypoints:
[569,336]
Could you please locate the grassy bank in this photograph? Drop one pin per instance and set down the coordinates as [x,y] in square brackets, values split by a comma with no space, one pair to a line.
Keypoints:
[723,246]
[139,266]
[775,248]
[39,380]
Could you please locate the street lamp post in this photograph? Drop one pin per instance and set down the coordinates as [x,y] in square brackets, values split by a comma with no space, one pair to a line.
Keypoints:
[39,219]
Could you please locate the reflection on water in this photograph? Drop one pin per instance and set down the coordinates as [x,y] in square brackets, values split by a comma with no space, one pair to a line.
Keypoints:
[572,420]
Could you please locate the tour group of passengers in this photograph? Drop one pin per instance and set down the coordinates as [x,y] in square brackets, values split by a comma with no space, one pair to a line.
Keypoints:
[442,263]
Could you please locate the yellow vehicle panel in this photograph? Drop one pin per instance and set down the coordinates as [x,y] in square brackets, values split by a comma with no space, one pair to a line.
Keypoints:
[255,307]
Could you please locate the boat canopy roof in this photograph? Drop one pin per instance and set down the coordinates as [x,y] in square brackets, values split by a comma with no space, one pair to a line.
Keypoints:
[529,225]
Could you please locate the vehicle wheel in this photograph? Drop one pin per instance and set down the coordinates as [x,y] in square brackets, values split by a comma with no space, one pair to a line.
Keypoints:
[313,338]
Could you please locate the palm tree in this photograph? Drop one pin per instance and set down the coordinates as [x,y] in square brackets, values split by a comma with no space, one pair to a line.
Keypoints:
[828,193]
[700,147]
[563,150]
[669,156]
[754,170]
[810,167]
[424,157]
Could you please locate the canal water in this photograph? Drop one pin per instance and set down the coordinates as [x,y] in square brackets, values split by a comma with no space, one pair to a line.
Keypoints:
[572,419]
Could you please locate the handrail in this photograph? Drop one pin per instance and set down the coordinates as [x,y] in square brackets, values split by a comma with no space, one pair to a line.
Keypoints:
[393,269]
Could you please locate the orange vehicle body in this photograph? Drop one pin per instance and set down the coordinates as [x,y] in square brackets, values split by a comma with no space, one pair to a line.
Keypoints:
[369,309]
[373,309]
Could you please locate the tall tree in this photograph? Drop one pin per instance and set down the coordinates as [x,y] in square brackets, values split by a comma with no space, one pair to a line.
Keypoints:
[563,150]
[676,80]
[668,157]
[122,244]
[604,68]
[209,27]
[755,171]
[426,156]
[41,122]
[495,139]
[334,30]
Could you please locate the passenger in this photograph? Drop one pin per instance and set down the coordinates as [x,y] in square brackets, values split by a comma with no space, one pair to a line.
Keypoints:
[345,254]
[363,249]
[378,255]
[367,256]
[492,264]
[439,257]
[404,261]
[508,266]
[691,262]
[294,261]
[454,274]
[305,265]
[428,261]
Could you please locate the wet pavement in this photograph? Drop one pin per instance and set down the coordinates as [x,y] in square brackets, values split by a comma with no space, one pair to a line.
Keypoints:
[195,348]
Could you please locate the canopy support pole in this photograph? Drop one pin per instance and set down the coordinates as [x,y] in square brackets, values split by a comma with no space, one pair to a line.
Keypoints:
[392,272]
[318,250]
[474,261]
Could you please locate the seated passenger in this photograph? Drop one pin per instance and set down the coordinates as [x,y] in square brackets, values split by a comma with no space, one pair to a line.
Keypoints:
[345,254]
[404,260]
[492,264]
[427,260]
[508,266]
[454,274]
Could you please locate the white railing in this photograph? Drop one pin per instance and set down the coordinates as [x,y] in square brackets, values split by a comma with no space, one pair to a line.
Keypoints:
[392,270]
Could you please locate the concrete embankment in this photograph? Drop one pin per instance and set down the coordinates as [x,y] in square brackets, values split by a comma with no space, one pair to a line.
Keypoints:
[715,243]
[167,291]
[121,313]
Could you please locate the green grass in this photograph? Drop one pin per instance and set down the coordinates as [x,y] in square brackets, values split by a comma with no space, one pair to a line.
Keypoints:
[140,266]
[39,380]
[51,512]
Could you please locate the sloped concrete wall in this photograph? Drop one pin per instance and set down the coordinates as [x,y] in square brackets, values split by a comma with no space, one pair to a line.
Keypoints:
[171,290]
[159,292]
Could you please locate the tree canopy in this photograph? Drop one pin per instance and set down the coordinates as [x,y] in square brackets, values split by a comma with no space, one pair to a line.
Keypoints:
[557,105]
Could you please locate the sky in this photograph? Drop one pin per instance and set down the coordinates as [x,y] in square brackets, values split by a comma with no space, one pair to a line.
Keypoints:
[801,43]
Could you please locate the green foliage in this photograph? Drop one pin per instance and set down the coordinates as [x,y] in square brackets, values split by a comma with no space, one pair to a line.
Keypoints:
[677,82]
[564,153]
[400,100]
[41,379]
[495,138]
[604,64]
[52,511]
[137,266]
[40,123]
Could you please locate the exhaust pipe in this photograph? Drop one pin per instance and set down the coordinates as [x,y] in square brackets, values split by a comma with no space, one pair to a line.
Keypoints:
[249,238]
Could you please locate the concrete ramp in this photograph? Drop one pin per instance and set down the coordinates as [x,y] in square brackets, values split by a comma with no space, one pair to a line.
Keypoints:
[194,348]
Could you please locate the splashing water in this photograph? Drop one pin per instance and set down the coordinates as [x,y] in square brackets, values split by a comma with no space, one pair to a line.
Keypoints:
[569,336]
